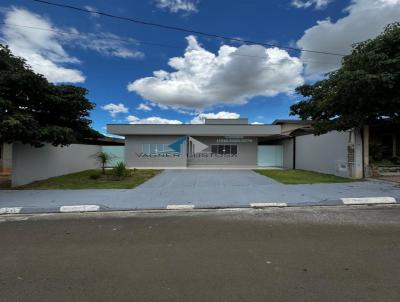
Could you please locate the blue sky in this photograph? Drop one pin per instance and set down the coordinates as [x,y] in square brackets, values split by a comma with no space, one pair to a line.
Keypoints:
[195,76]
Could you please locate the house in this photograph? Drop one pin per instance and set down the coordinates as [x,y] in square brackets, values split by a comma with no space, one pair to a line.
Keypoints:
[234,143]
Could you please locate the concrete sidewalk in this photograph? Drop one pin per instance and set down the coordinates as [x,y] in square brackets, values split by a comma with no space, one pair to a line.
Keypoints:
[198,188]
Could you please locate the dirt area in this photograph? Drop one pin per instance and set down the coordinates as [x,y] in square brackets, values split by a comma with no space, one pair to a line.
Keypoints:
[394,178]
[5,181]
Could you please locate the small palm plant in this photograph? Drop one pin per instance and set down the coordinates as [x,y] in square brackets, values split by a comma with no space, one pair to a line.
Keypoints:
[103,158]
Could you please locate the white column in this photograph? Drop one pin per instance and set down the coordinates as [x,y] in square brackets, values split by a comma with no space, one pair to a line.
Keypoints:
[366,147]
[358,155]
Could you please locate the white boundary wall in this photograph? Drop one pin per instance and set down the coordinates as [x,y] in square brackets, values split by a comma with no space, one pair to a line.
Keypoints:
[320,153]
[32,164]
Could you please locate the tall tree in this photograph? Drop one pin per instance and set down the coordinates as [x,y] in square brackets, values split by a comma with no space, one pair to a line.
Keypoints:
[34,111]
[365,89]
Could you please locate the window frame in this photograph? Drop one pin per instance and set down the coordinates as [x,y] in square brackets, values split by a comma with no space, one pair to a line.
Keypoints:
[217,147]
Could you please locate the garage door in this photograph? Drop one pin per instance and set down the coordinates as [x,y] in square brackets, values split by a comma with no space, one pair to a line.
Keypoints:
[270,156]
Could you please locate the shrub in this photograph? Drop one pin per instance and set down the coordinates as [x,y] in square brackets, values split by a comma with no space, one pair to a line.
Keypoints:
[120,170]
[95,175]
[103,158]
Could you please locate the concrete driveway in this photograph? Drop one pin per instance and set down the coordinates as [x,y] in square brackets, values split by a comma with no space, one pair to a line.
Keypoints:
[201,188]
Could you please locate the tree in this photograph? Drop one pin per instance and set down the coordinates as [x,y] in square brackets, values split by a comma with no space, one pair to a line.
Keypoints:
[365,89]
[103,158]
[34,111]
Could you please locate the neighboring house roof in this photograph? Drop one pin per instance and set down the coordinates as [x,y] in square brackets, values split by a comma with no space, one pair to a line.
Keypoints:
[104,141]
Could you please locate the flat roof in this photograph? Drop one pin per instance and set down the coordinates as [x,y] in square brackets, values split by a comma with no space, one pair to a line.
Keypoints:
[288,121]
[226,121]
[194,129]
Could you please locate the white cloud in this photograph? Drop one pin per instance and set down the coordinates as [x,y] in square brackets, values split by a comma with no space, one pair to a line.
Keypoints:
[92,9]
[151,120]
[319,4]
[43,44]
[199,119]
[42,50]
[105,43]
[114,109]
[257,123]
[175,6]
[233,76]
[365,19]
[144,107]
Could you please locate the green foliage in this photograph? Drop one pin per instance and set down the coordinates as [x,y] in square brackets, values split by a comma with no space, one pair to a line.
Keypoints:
[103,158]
[364,90]
[34,111]
[95,175]
[120,171]
[82,180]
[301,176]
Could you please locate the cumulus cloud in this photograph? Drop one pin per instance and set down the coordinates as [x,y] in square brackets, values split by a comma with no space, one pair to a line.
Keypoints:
[41,48]
[151,120]
[36,39]
[365,19]
[115,109]
[144,107]
[175,6]
[200,118]
[319,4]
[233,76]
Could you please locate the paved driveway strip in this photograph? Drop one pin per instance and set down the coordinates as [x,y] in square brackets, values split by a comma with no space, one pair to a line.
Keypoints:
[201,188]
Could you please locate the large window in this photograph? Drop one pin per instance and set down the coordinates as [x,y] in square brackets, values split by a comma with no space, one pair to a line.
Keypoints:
[224,149]
[149,149]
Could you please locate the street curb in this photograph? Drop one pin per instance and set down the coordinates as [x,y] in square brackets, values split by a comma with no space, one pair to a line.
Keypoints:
[190,207]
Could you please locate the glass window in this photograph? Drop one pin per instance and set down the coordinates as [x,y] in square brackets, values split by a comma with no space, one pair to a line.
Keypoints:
[224,149]
[227,149]
[146,148]
[233,149]
[153,148]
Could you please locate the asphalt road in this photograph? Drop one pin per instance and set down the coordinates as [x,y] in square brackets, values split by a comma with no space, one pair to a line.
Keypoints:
[291,254]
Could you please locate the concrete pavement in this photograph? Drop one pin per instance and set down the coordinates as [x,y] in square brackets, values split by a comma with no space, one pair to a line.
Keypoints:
[200,188]
[291,254]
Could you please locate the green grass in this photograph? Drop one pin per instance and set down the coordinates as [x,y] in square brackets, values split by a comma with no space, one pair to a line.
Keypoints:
[82,180]
[302,177]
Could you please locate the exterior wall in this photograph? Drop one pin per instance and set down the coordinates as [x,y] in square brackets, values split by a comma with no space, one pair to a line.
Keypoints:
[287,145]
[6,158]
[321,153]
[32,164]
[133,147]
[195,130]
[247,153]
